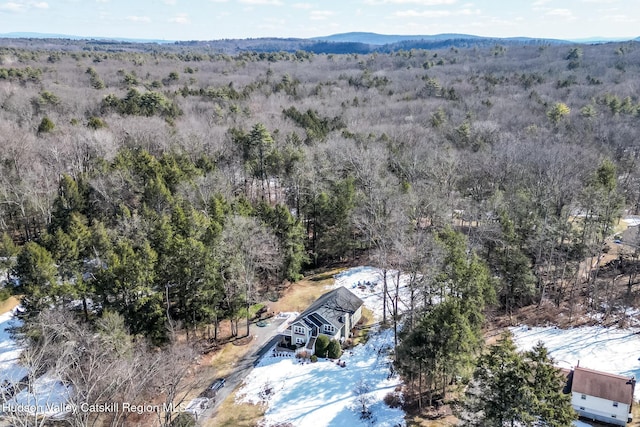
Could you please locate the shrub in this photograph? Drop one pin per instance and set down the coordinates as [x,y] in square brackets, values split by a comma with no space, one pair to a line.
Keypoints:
[183,420]
[322,345]
[314,358]
[393,400]
[46,125]
[558,112]
[334,350]
[96,123]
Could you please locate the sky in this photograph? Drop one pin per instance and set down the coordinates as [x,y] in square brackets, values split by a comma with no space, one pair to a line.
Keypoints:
[220,19]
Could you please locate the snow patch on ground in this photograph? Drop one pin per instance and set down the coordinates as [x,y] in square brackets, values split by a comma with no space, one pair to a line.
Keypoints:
[289,317]
[323,393]
[632,220]
[612,350]
[367,283]
[10,369]
[47,394]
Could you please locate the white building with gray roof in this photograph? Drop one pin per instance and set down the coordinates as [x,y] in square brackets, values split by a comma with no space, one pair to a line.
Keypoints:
[333,314]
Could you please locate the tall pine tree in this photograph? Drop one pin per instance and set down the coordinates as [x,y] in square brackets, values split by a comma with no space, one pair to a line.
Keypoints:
[513,389]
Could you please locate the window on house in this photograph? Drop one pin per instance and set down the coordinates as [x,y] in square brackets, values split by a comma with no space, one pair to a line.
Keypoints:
[615,404]
[582,408]
[298,330]
[613,416]
[329,328]
[583,397]
[299,340]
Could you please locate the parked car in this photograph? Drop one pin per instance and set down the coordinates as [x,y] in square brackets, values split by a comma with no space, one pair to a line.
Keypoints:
[212,390]
[217,384]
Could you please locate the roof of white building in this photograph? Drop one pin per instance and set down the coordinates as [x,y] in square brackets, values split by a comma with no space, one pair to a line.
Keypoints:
[604,385]
[332,306]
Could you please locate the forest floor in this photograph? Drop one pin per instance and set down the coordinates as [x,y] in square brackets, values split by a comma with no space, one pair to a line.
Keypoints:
[578,313]
[9,304]
[418,421]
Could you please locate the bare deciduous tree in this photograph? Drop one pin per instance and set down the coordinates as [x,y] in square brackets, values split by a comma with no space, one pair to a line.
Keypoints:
[249,253]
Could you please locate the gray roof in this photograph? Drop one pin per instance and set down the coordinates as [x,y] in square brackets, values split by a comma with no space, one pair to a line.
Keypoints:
[332,306]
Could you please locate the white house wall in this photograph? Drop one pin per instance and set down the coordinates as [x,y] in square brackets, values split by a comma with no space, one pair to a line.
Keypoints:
[357,315]
[295,335]
[600,409]
[346,329]
[335,334]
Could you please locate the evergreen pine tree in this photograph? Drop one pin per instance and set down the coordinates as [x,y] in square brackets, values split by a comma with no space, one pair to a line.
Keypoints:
[552,407]
[514,389]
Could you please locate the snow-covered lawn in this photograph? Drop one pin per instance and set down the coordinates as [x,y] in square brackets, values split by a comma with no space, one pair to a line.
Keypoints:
[47,395]
[611,350]
[370,290]
[323,393]
[10,351]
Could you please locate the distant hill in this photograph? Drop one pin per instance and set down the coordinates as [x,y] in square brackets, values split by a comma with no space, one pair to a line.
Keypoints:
[346,43]
[39,36]
[382,39]
[435,39]
[31,35]
[362,43]
[599,40]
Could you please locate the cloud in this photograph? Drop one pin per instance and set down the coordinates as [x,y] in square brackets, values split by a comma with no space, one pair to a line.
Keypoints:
[416,2]
[262,2]
[320,15]
[303,5]
[12,7]
[620,18]
[170,2]
[138,18]
[181,18]
[22,6]
[435,13]
[560,12]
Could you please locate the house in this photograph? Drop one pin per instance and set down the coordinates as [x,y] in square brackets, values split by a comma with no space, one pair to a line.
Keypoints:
[333,314]
[601,396]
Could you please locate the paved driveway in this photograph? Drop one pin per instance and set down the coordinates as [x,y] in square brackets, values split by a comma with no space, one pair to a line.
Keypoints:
[264,339]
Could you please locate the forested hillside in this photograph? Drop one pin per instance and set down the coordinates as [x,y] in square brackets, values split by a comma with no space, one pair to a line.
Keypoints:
[179,187]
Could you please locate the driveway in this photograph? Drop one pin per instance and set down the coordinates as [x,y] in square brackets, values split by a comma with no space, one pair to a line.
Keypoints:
[263,339]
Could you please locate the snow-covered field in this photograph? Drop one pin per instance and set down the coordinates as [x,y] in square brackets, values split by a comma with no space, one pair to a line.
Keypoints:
[370,290]
[323,393]
[46,395]
[632,220]
[10,351]
[606,349]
